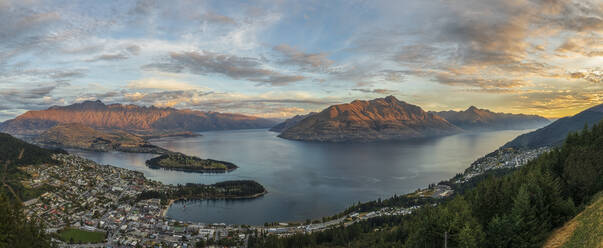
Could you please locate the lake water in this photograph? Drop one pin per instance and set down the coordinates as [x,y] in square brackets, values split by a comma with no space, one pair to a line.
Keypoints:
[305,179]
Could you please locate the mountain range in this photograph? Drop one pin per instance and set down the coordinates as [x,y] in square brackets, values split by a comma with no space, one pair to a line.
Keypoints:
[390,119]
[476,119]
[133,118]
[365,121]
[556,132]
[289,122]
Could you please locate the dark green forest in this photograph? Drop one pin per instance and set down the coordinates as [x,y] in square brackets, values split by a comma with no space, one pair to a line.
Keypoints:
[519,208]
[226,189]
[179,161]
[15,230]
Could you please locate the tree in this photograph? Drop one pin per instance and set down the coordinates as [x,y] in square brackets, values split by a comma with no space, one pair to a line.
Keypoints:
[16,231]
[467,237]
[524,219]
[500,232]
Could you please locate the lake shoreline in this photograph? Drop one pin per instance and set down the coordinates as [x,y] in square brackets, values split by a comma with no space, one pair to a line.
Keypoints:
[172,201]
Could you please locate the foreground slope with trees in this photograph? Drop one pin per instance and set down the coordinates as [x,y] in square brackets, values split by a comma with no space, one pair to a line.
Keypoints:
[15,230]
[518,209]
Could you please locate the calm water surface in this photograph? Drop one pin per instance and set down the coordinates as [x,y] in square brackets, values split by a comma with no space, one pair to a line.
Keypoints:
[304,179]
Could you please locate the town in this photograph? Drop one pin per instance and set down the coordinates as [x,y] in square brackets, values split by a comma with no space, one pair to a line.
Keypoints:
[503,158]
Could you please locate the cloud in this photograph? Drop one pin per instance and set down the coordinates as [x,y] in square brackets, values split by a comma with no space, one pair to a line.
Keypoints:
[591,75]
[160,84]
[29,93]
[376,91]
[559,100]
[65,74]
[133,49]
[417,54]
[394,75]
[57,75]
[580,16]
[232,66]
[293,56]
[587,45]
[164,67]
[277,79]
[24,29]
[15,101]
[217,18]
[493,45]
[481,83]
[170,98]
[108,57]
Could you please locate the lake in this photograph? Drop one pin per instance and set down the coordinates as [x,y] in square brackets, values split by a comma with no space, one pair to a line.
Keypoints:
[306,179]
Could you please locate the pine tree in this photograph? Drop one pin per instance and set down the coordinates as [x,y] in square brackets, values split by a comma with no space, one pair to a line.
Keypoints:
[500,232]
[524,219]
[16,231]
[467,237]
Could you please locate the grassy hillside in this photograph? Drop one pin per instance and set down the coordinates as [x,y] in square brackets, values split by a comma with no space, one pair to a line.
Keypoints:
[584,230]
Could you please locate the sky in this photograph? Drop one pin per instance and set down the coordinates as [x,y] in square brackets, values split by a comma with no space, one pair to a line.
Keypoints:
[281,58]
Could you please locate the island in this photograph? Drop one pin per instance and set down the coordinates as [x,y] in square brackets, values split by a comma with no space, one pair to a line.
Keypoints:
[182,162]
[236,189]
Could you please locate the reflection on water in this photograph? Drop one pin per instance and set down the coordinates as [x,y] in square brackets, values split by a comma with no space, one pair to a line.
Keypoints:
[308,180]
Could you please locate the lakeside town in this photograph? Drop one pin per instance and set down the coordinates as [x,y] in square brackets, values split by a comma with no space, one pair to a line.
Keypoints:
[103,199]
[502,158]
[93,198]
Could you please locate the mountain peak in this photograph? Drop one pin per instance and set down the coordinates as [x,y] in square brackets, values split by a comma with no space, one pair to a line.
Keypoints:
[85,105]
[391,98]
[472,108]
[90,102]
[89,105]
